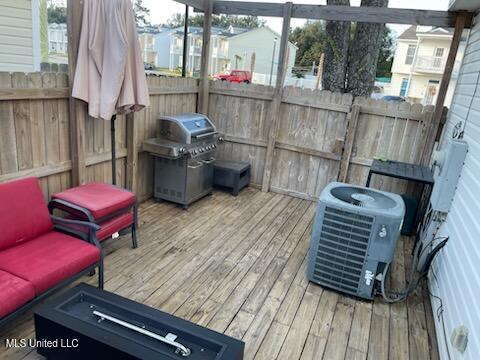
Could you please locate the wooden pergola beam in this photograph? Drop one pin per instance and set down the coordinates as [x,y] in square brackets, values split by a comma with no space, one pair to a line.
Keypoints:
[442,92]
[197,4]
[343,13]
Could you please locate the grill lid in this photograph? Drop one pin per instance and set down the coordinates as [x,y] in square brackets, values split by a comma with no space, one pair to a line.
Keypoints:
[186,128]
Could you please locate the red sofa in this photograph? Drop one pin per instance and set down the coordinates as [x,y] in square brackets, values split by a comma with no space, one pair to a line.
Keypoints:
[39,253]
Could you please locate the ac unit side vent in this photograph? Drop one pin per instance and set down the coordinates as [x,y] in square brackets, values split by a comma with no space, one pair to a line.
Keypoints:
[342,249]
[346,220]
[352,266]
[345,235]
[336,282]
[349,215]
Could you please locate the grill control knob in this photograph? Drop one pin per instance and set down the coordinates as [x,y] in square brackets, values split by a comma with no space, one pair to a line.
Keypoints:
[182,150]
[201,150]
[214,146]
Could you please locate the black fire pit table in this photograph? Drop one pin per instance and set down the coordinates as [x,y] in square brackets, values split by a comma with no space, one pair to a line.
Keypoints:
[88,323]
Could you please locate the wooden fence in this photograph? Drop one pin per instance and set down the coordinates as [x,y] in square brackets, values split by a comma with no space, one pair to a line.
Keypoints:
[35,131]
[321,136]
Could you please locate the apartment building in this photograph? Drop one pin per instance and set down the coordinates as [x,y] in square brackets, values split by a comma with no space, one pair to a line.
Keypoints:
[219,51]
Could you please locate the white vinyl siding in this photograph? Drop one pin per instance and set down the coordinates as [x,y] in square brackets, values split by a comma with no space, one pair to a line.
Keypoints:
[16,42]
[457,269]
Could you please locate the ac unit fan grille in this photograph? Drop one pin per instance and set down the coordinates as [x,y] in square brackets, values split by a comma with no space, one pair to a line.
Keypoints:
[342,249]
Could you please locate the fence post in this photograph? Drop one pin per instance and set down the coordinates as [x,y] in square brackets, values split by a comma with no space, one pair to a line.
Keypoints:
[132,153]
[76,109]
[277,97]
[432,134]
[203,94]
[349,140]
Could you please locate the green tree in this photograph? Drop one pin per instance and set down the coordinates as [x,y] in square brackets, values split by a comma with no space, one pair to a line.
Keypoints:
[141,13]
[385,57]
[43,11]
[310,40]
[57,14]
[223,21]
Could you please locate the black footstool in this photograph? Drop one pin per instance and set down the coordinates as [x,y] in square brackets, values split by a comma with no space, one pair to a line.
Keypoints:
[231,174]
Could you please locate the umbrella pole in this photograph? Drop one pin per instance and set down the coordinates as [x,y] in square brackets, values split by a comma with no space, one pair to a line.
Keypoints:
[114,156]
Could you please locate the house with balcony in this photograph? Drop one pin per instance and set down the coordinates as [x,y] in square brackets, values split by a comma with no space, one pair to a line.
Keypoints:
[57,38]
[219,51]
[419,63]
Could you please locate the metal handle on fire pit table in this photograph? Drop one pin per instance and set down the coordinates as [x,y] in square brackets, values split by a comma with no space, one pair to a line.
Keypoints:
[169,339]
[209,161]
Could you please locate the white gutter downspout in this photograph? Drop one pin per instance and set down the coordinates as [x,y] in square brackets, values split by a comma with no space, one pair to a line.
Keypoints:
[36,53]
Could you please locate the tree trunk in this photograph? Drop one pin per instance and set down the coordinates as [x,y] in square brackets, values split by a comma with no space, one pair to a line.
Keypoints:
[336,52]
[362,64]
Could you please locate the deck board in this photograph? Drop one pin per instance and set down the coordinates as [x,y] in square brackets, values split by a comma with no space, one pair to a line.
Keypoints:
[237,265]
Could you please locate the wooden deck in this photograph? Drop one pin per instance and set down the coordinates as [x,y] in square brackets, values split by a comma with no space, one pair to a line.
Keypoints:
[237,265]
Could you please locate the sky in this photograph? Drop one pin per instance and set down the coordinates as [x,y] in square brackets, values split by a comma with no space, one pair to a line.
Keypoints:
[162,10]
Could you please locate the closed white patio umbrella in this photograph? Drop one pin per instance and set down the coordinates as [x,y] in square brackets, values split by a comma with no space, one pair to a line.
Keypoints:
[110,74]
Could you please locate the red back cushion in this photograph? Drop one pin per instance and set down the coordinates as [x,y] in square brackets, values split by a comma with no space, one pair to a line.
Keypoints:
[23,212]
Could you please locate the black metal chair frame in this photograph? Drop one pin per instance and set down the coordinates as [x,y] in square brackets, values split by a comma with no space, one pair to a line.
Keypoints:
[65,226]
[73,209]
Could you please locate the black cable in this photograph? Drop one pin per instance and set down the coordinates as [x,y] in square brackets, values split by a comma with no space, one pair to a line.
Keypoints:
[412,283]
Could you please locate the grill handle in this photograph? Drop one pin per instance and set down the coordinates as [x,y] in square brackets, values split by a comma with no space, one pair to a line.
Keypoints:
[201,136]
[169,339]
[209,161]
[199,164]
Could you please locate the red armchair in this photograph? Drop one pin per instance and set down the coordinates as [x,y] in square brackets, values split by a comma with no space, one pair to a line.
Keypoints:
[39,253]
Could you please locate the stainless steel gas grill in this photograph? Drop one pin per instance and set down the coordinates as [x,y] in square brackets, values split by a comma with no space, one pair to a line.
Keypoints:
[184,157]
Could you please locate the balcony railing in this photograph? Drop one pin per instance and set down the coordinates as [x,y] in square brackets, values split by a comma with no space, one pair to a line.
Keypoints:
[430,64]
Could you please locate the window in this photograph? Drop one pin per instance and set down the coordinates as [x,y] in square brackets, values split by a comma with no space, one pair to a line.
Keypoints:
[410,54]
[403,87]
[439,52]
[438,57]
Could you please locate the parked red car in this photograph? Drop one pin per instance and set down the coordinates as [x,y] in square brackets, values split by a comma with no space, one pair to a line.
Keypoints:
[235,76]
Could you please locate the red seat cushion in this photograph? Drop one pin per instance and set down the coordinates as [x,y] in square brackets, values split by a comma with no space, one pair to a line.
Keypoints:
[15,293]
[109,227]
[48,259]
[23,212]
[100,199]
